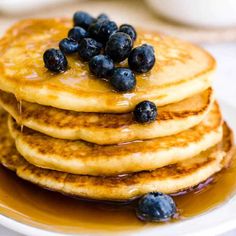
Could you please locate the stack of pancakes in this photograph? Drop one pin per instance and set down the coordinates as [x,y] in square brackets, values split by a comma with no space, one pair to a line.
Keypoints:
[71,133]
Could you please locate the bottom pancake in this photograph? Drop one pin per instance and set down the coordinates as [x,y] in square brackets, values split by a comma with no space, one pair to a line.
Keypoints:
[169,179]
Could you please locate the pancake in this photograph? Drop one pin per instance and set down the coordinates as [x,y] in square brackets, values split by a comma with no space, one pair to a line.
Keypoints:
[101,128]
[79,157]
[169,179]
[181,70]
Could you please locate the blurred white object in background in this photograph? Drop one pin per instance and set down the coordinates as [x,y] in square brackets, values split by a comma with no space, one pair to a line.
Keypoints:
[22,6]
[202,13]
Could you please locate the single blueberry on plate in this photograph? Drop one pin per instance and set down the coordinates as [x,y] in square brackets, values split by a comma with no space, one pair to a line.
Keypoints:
[119,46]
[142,58]
[82,19]
[102,17]
[55,60]
[157,207]
[145,112]
[128,29]
[102,66]
[123,79]
[89,48]
[77,33]
[68,45]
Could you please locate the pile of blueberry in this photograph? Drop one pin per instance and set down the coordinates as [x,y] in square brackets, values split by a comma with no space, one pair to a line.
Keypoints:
[102,44]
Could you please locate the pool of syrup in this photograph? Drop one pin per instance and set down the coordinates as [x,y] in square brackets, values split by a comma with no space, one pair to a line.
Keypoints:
[32,205]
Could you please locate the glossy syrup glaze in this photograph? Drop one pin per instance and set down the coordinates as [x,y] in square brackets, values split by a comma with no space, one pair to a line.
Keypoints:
[52,211]
[178,64]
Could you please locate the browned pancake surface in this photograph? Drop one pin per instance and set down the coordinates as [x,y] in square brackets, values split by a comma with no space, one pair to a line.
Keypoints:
[102,128]
[168,179]
[81,157]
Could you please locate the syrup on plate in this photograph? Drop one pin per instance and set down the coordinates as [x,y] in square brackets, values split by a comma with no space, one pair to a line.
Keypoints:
[32,205]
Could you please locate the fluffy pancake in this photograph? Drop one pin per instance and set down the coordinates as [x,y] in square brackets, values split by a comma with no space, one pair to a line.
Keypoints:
[79,157]
[181,70]
[110,128]
[170,179]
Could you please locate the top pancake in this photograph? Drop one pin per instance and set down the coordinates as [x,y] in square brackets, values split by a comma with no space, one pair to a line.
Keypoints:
[181,70]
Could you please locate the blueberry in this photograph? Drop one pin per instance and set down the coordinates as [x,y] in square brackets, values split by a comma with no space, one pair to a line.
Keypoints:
[68,46]
[102,17]
[123,79]
[55,60]
[94,29]
[119,46]
[128,29]
[106,30]
[145,112]
[102,66]
[82,19]
[77,33]
[142,59]
[102,30]
[156,207]
[89,48]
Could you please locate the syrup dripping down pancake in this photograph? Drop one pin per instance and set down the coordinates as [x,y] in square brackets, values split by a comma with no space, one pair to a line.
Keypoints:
[102,128]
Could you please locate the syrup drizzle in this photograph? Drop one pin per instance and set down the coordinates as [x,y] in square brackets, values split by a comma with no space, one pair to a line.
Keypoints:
[19,107]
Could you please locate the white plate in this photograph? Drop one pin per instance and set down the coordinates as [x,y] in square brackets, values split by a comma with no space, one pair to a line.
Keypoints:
[215,222]
[201,13]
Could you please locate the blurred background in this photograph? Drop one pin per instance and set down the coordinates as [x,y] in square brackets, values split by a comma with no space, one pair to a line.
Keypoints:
[210,23]
[204,21]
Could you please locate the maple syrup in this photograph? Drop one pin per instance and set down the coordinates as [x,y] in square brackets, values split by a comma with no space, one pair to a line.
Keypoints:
[32,205]
[180,67]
